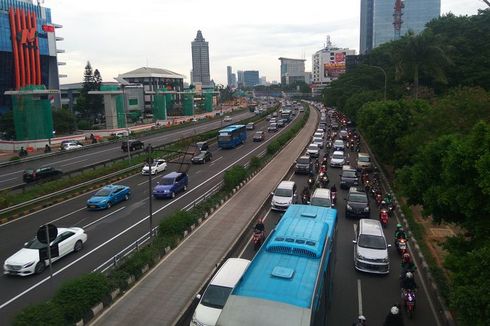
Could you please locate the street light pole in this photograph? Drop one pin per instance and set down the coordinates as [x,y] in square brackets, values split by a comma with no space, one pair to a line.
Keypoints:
[150,189]
[126,122]
[384,72]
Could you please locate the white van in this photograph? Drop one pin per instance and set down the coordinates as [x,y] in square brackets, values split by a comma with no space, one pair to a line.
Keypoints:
[284,196]
[370,248]
[321,197]
[216,294]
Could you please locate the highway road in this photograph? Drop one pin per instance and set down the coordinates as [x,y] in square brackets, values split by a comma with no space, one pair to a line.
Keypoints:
[109,231]
[354,292]
[11,175]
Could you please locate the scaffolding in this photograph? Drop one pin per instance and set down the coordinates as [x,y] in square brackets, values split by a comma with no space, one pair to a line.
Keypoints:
[188,103]
[160,105]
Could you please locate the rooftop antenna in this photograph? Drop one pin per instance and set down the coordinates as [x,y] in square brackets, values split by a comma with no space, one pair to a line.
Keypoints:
[329,43]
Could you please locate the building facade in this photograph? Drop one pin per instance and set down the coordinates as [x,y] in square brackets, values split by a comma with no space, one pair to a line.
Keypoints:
[229,77]
[327,65]
[377,20]
[200,60]
[251,78]
[28,51]
[239,78]
[292,70]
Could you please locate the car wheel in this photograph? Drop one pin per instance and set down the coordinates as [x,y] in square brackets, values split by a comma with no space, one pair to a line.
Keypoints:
[40,267]
[126,197]
[173,194]
[78,246]
[109,205]
[185,188]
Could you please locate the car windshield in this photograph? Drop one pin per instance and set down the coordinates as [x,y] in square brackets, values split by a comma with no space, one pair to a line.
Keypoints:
[313,147]
[216,296]
[349,174]
[34,244]
[317,140]
[363,159]
[358,198]
[318,201]
[284,192]
[258,134]
[303,160]
[273,125]
[339,143]
[338,156]
[30,171]
[371,241]
[167,181]
[102,192]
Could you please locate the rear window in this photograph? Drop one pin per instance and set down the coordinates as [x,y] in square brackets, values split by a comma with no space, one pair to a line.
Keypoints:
[337,156]
[358,198]
[364,159]
[304,160]
[349,174]
[323,202]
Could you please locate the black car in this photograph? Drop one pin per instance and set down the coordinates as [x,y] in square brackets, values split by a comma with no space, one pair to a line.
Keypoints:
[348,179]
[259,136]
[303,165]
[134,144]
[357,203]
[202,157]
[31,175]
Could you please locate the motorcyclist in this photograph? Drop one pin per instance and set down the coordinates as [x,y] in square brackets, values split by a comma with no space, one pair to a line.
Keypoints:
[361,321]
[407,264]
[47,149]
[333,188]
[259,226]
[394,317]
[408,282]
[305,195]
[400,233]
[22,152]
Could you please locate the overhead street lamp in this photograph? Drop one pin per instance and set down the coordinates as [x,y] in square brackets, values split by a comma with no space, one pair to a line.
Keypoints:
[384,72]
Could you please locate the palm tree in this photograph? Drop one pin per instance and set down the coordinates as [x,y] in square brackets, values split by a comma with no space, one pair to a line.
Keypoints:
[416,54]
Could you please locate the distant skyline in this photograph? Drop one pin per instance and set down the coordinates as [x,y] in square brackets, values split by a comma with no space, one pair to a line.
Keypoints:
[119,36]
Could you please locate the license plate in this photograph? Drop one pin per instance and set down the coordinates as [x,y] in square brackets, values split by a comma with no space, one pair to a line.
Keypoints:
[93,206]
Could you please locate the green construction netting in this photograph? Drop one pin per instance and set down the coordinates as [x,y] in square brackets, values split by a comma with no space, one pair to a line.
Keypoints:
[33,118]
[188,104]
[160,106]
[208,102]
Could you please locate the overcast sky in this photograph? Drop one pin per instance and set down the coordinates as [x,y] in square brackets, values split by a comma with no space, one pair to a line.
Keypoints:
[119,36]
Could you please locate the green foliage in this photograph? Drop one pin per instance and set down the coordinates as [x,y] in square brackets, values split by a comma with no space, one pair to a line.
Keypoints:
[43,314]
[234,176]
[76,297]
[14,158]
[355,102]
[64,121]
[7,125]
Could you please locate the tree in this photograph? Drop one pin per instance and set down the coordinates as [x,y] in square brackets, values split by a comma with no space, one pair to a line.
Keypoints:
[90,106]
[7,125]
[64,121]
[420,54]
[97,100]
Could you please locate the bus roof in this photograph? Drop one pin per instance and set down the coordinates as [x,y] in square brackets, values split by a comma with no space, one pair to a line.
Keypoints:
[231,128]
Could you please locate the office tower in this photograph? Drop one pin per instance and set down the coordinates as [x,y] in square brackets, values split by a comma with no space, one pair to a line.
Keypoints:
[200,60]
[239,76]
[292,70]
[229,76]
[251,78]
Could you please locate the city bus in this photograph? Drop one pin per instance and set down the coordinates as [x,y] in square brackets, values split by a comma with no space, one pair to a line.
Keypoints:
[232,136]
[289,280]
[286,114]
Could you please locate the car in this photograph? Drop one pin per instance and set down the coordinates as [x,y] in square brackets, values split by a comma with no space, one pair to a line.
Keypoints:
[227,118]
[348,178]
[357,203]
[170,184]
[250,126]
[26,261]
[134,144]
[338,145]
[370,248]
[301,109]
[202,157]
[364,161]
[273,120]
[323,126]
[343,134]
[217,292]
[337,159]
[321,197]
[318,141]
[313,150]
[70,144]
[303,165]
[283,196]
[107,196]
[157,166]
[272,127]
[319,133]
[47,172]
[202,146]
[259,136]
[280,123]
[268,117]
[274,114]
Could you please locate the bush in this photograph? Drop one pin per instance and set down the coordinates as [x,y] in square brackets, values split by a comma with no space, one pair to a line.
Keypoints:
[76,297]
[273,147]
[234,176]
[43,314]
[255,163]
[176,223]
[14,158]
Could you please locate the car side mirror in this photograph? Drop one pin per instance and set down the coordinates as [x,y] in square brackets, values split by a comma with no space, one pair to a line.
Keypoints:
[198,296]
[354,241]
[389,245]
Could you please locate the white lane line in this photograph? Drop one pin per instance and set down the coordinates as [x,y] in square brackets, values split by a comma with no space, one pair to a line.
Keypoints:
[72,163]
[359,296]
[246,246]
[103,217]
[142,183]
[8,179]
[66,215]
[6,303]
[216,159]
[10,173]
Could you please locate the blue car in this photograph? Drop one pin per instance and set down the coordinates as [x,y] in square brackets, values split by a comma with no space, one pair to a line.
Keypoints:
[108,196]
[170,184]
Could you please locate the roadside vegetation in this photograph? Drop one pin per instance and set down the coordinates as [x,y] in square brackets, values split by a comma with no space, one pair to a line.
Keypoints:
[432,134]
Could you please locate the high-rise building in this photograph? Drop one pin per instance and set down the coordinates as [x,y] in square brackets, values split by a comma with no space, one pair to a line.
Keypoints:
[292,70]
[229,76]
[233,80]
[378,18]
[251,78]
[239,76]
[200,60]
[29,58]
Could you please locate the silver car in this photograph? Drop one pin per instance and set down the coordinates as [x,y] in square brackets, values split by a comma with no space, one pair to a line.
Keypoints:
[370,248]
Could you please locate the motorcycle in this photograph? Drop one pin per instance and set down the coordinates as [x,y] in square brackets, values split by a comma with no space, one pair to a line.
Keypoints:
[311,182]
[383,217]
[305,198]
[323,180]
[258,238]
[409,299]
[22,153]
[378,198]
[334,198]
[401,245]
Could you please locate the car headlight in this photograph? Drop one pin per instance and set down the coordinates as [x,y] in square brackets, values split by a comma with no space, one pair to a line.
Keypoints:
[366,209]
[28,264]
[349,207]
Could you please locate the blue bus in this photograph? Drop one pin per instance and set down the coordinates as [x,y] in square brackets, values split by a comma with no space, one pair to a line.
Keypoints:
[288,281]
[232,136]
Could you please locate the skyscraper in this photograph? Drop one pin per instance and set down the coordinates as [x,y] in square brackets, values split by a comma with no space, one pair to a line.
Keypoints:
[200,60]
[229,76]
[239,76]
[251,78]
[377,20]
[292,70]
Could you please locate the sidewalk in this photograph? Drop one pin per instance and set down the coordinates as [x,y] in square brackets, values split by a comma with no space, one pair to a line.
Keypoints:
[161,295]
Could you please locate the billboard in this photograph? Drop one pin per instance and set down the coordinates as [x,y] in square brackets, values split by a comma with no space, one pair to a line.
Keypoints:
[335,67]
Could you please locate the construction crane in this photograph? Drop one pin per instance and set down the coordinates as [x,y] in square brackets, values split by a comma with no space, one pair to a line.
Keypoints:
[397,17]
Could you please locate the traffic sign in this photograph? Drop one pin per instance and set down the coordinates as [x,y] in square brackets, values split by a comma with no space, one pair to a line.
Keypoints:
[42,235]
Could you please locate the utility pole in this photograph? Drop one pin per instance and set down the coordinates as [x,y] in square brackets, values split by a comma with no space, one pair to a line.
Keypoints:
[150,162]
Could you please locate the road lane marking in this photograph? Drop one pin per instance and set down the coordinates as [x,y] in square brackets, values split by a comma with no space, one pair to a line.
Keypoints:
[359,296]
[72,163]
[8,179]
[66,215]
[216,159]
[103,217]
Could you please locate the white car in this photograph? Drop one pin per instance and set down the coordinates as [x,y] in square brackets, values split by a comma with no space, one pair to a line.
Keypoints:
[26,261]
[337,159]
[69,146]
[159,165]
[313,150]
[318,141]
[227,118]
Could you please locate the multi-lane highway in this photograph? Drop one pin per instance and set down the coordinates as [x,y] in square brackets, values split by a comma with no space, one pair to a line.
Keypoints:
[11,175]
[109,231]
